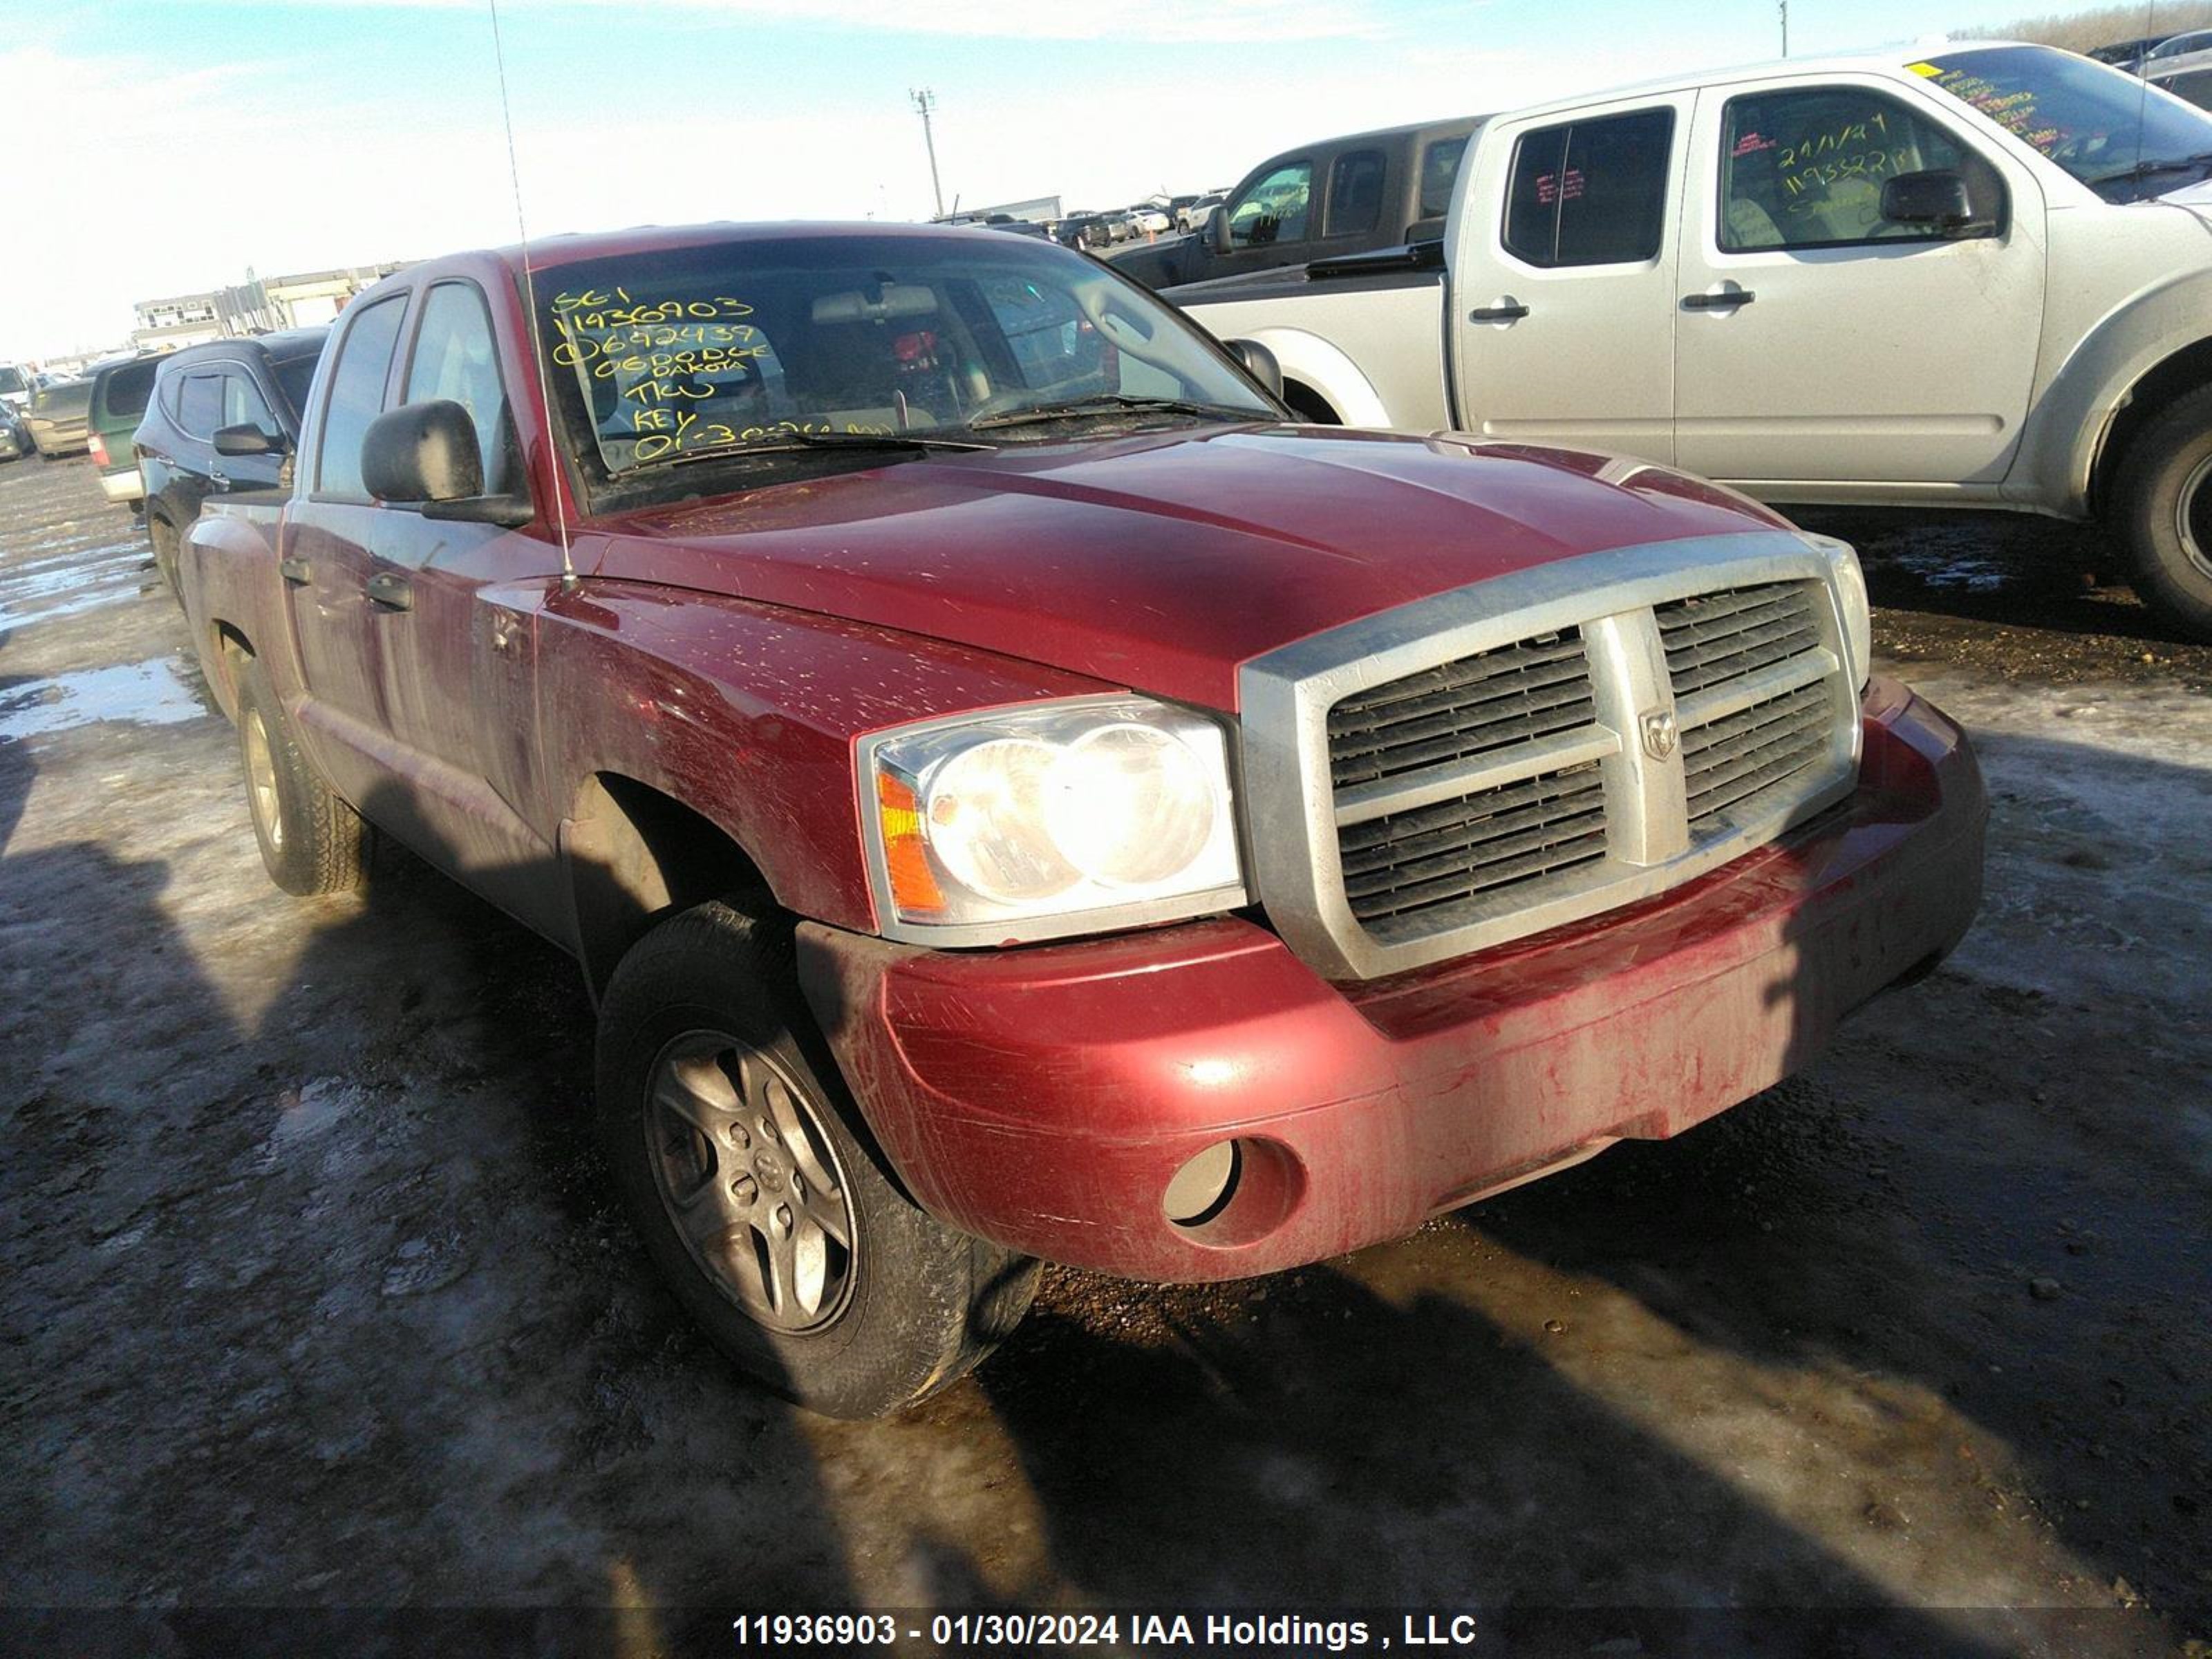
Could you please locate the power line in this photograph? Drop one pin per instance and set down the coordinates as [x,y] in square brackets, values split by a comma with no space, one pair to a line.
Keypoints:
[925,105]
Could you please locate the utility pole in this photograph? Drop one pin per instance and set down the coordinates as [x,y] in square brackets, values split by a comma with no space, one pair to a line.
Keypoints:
[1785,27]
[925,105]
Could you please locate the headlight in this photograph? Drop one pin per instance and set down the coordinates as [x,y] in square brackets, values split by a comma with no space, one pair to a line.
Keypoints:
[1046,820]
[1851,593]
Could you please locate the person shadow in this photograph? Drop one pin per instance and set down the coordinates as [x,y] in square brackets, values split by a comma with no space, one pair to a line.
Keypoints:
[326,1333]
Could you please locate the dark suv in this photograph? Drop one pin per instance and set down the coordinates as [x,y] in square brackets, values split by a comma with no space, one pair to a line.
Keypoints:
[249,391]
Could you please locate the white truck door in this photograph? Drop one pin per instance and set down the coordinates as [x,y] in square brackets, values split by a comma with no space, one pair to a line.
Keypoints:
[1818,340]
[1563,282]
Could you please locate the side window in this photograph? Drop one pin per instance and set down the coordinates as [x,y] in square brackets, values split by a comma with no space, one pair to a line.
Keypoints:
[454,359]
[1590,192]
[1274,210]
[1805,168]
[199,408]
[356,398]
[243,405]
[1355,193]
[1439,172]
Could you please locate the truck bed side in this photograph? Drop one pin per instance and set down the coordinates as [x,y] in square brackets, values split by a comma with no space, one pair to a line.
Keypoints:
[1360,340]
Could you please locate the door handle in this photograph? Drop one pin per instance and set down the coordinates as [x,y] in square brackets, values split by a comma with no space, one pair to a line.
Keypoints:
[294,570]
[1727,300]
[1508,310]
[393,592]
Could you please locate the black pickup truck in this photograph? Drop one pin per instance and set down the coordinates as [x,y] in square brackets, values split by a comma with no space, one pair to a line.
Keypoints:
[1320,201]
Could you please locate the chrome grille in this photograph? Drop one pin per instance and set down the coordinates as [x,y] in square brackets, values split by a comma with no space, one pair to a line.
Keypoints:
[1459,709]
[1530,751]
[1411,861]
[1712,638]
[1731,759]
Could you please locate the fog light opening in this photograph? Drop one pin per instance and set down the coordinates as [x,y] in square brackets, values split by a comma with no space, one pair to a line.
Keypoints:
[1201,1189]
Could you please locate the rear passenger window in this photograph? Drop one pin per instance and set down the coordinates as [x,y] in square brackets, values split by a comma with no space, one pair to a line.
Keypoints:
[1590,192]
[455,362]
[356,398]
[199,408]
[1355,193]
[243,405]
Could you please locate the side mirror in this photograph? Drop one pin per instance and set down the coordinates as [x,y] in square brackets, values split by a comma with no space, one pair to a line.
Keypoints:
[1217,230]
[426,455]
[1260,363]
[247,440]
[1938,198]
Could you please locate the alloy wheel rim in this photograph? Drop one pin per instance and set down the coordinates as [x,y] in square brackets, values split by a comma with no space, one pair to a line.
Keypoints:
[2192,517]
[751,1181]
[261,782]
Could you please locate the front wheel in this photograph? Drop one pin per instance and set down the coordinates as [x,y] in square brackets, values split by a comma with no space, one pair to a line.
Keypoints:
[754,1185]
[2163,504]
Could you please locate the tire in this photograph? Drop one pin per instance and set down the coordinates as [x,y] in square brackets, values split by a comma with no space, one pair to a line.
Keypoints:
[740,1155]
[310,841]
[163,535]
[2162,503]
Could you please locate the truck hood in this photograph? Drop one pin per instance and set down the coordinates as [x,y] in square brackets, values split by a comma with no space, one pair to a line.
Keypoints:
[1162,561]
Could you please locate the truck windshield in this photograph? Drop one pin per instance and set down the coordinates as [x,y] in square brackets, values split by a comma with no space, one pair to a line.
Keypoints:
[762,343]
[2106,128]
[11,378]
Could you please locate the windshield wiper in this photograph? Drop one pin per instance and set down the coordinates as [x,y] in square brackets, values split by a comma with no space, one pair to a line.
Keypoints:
[1113,402]
[2203,159]
[787,443]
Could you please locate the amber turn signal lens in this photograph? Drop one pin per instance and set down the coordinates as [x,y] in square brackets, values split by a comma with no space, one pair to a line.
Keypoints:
[913,884]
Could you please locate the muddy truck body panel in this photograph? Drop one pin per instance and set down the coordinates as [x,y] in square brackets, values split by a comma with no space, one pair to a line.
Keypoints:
[1161,798]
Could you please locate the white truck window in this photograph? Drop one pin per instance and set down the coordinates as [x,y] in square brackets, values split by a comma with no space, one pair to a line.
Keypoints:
[1805,168]
[1590,192]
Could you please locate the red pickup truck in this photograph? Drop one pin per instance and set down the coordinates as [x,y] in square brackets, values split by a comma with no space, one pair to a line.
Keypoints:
[1014,794]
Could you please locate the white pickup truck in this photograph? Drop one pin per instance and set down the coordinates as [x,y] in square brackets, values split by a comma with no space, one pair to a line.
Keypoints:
[1974,275]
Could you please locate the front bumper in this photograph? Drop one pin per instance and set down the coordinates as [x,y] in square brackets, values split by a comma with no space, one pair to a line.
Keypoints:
[1044,1098]
[54,442]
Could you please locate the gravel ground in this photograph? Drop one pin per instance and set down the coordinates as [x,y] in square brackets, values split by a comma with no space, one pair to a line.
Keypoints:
[313,1296]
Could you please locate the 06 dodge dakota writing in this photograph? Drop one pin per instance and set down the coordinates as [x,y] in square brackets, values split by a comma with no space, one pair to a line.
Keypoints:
[1015,795]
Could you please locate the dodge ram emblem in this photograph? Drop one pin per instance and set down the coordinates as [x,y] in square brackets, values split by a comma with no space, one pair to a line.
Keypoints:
[1659,732]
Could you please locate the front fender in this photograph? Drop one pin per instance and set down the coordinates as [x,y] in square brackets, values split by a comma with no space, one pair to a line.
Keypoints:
[748,715]
[2067,430]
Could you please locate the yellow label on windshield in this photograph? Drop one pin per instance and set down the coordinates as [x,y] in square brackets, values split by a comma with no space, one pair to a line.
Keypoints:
[1924,69]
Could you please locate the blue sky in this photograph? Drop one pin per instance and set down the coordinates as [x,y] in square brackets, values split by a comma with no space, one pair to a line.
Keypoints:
[216,135]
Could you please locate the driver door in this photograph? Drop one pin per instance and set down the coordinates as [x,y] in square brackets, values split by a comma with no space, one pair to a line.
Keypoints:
[1814,340]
